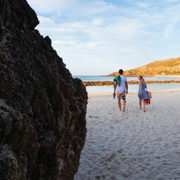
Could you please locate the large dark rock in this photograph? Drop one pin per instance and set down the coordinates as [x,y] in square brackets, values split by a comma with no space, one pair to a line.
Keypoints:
[42,108]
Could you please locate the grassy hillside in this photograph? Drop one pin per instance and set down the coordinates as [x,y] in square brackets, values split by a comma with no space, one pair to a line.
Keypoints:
[164,67]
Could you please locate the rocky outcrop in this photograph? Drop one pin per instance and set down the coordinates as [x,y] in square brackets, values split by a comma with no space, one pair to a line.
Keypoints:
[168,67]
[42,108]
[110,83]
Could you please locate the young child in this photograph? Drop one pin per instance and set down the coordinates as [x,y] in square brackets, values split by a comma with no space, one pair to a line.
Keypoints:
[143,96]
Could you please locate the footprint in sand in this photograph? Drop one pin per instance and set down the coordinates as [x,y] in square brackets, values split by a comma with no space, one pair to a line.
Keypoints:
[93,116]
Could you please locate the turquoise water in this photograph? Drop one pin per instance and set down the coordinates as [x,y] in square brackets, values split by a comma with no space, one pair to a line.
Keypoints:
[132,87]
[110,78]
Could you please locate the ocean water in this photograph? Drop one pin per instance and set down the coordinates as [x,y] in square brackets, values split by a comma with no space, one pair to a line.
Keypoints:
[110,78]
[132,87]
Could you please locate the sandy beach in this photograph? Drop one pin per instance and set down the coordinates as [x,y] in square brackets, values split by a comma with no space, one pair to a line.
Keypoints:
[133,145]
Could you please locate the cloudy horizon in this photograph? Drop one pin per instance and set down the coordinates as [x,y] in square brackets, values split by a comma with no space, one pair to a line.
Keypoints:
[98,37]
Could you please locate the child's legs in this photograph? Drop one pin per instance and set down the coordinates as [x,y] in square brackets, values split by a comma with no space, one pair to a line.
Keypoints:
[144,105]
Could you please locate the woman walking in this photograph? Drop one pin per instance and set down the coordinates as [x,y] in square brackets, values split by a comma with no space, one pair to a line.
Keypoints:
[142,94]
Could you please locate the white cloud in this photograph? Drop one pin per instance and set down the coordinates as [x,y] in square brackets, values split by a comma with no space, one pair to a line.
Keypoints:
[97,22]
[143,4]
[57,42]
[172,1]
[89,34]
[51,6]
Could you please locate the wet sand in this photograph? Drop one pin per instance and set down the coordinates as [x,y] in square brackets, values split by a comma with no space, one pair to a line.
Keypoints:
[132,145]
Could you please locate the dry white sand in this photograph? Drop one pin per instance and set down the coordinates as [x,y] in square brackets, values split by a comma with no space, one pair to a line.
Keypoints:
[132,145]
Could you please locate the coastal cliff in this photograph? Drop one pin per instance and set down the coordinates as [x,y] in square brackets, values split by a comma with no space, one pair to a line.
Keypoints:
[168,67]
[42,108]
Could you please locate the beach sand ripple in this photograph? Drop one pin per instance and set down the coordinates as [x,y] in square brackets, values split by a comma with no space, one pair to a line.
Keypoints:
[132,145]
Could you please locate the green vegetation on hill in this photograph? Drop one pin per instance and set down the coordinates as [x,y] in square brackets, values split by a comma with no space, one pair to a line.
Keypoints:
[156,68]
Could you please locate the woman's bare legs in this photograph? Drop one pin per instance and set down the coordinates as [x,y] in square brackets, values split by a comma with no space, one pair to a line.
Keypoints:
[140,102]
[144,105]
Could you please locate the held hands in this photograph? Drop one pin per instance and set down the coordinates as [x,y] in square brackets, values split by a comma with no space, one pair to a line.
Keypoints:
[126,91]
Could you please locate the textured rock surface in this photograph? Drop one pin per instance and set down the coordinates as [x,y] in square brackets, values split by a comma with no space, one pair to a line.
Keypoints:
[42,108]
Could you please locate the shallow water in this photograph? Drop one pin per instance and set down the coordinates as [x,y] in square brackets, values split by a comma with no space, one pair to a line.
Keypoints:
[132,145]
[110,78]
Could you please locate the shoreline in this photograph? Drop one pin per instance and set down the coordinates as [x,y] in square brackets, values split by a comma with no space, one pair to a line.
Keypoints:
[110,83]
[159,91]
[178,76]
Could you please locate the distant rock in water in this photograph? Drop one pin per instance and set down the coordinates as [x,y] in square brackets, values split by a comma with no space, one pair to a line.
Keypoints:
[42,108]
[110,83]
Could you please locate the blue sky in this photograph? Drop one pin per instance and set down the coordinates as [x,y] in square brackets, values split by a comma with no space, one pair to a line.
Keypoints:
[97,37]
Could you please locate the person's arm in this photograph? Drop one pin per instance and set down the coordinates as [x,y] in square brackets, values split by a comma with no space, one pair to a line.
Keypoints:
[126,87]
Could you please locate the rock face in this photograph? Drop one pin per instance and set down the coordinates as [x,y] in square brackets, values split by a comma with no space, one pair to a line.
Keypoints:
[42,108]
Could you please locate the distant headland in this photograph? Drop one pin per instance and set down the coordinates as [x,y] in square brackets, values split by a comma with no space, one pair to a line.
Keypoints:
[168,67]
